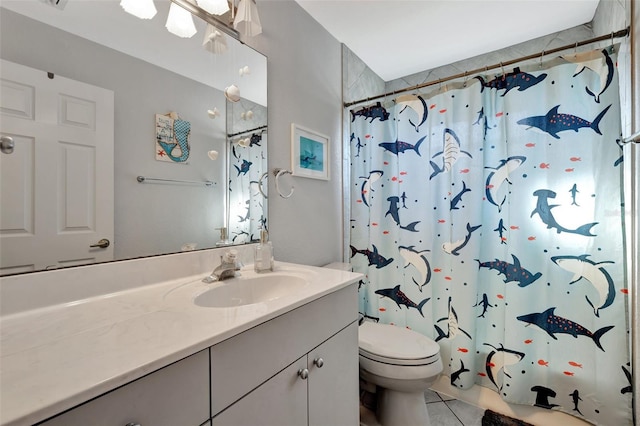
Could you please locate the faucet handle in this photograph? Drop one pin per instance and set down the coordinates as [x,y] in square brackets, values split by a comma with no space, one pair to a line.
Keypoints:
[230,256]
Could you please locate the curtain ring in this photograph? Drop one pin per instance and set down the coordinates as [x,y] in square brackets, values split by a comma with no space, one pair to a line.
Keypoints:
[464,82]
[502,68]
[279,173]
[541,56]
[264,175]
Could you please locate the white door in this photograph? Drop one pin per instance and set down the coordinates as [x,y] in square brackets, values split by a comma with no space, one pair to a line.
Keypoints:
[56,187]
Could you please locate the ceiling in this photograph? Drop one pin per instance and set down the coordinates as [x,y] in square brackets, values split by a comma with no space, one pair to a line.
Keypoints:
[396,38]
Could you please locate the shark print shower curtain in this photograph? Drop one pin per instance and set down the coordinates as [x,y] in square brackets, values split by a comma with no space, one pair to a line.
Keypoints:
[489,218]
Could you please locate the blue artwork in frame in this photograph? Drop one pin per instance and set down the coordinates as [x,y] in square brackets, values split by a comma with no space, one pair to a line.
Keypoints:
[309,153]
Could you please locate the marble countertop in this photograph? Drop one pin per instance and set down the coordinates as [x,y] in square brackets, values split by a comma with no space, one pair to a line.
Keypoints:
[54,358]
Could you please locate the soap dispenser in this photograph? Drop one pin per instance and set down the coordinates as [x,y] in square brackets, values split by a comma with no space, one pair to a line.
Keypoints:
[263,254]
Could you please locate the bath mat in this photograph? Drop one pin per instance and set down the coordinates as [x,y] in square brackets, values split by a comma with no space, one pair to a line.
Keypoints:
[491,418]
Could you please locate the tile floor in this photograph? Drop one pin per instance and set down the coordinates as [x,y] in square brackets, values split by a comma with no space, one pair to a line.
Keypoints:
[443,411]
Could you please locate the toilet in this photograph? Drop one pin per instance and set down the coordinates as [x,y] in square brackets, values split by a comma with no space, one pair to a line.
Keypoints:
[402,364]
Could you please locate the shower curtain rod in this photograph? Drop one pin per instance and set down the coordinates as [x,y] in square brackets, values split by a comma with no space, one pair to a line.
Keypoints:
[231,135]
[617,34]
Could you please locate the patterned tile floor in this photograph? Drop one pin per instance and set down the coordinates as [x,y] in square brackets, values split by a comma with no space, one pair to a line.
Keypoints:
[443,411]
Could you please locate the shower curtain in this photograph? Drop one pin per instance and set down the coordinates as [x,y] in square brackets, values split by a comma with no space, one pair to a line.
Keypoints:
[247,205]
[489,217]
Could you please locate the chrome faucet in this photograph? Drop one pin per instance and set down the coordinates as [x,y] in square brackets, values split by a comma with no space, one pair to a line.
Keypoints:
[229,264]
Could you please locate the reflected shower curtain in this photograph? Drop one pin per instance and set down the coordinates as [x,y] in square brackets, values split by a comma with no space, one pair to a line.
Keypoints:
[488,217]
[247,206]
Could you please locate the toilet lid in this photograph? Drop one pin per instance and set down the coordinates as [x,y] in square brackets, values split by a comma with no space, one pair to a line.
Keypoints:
[396,343]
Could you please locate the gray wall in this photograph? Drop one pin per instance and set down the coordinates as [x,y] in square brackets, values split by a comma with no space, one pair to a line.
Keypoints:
[305,87]
[149,218]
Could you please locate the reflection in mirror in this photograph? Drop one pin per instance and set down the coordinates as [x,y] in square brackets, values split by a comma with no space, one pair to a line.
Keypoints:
[88,93]
[247,153]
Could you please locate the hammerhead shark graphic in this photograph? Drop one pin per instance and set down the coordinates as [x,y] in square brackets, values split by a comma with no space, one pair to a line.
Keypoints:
[543,209]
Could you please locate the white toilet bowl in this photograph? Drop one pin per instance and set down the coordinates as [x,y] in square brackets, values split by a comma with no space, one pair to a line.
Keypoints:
[402,364]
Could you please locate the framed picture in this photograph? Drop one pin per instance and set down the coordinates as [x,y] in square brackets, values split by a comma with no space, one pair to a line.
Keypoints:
[309,153]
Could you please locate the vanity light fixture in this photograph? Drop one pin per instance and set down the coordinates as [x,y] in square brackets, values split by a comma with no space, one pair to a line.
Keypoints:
[247,115]
[247,21]
[143,9]
[214,41]
[244,70]
[215,7]
[213,155]
[180,22]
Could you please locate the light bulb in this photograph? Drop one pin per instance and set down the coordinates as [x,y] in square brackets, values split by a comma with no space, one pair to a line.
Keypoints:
[180,22]
[216,7]
[247,20]
[143,9]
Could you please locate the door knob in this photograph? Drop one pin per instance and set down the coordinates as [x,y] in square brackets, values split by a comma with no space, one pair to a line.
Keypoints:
[303,373]
[7,144]
[103,243]
[319,362]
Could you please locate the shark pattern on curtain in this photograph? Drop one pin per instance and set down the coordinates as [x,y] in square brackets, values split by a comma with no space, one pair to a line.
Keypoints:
[246,204]
[489,217]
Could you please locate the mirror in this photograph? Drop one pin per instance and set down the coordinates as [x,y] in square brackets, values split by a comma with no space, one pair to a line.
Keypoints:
[129,80]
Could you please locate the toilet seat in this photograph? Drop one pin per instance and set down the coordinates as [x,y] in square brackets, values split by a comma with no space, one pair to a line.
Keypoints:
[393,345]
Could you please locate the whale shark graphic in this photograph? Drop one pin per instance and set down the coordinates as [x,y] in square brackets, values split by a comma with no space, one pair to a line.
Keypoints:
[399,147]
[374,257]
[366,190]
[419,261]
[513,272]
[453,328]
[497,359]
[416,103]
[498,176]
[450,152]
[592,272]
[517,79]
[554,324]
[485,305]
[393,211]
[456,374]
[372,112]
[181,130]
[400,298]
[598,62]
[455,247]
[500,230]
[458,197]
[554,122]
[543,209]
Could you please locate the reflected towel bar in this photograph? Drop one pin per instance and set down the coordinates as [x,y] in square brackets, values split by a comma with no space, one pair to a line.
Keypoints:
[143,179]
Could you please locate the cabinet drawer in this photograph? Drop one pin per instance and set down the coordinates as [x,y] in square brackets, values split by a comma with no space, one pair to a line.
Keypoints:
[175,395]
[242,363]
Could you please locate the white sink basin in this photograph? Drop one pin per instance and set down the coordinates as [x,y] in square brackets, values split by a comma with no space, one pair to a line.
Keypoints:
[247,291]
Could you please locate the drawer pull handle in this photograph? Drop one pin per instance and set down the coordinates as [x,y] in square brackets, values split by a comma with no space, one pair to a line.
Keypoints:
[303,373]
[319,362]
[132,424]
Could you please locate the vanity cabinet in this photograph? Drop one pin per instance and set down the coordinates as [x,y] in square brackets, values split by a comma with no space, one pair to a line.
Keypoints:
[175,395]
[297,369]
